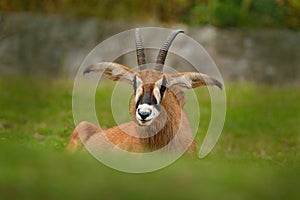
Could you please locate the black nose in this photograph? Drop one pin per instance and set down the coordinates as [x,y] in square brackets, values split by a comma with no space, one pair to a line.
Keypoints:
[144,114]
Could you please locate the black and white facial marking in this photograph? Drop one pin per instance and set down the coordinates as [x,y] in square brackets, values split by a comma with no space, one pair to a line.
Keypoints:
[147,99]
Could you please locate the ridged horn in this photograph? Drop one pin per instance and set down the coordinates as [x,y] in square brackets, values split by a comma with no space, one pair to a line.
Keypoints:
[160,61]
[141,60]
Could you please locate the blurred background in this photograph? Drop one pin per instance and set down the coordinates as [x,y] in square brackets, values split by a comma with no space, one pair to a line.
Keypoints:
[255,44]
[255,40]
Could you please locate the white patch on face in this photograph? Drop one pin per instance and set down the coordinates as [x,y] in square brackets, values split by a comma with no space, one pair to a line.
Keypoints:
[146,108]
[139,89]
[139,92]
[156,94]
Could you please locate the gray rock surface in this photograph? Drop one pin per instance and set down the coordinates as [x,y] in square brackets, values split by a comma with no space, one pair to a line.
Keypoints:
[56,45]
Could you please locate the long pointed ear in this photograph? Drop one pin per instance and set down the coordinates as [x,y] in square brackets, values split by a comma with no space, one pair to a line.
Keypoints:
[188,80]
[112,71]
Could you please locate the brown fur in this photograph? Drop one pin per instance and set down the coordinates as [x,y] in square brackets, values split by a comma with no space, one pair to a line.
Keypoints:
[172,123]
[170,130]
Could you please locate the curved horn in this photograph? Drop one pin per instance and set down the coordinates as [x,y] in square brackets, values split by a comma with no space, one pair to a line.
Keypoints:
[160,61]
[141,60]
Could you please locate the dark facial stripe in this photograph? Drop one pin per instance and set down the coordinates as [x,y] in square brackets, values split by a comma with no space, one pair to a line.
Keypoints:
[134,84]
[157,106]
[163,87]
[147,97]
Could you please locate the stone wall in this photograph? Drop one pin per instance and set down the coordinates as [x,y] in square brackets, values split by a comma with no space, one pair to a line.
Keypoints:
[55,45]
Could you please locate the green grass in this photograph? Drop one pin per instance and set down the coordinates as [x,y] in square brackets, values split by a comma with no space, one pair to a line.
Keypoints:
[257,156]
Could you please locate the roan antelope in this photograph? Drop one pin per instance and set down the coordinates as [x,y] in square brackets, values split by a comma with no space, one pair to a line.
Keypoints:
[156,106]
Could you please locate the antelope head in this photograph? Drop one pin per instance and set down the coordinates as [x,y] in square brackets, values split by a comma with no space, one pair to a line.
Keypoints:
[150,86]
